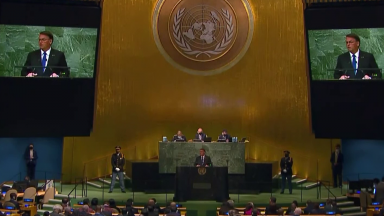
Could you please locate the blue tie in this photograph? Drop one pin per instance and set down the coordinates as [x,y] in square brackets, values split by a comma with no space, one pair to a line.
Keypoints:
[354,63]
[44,61]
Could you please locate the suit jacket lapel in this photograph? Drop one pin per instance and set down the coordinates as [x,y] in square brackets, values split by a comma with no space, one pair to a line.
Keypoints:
[361,60]
[51,57]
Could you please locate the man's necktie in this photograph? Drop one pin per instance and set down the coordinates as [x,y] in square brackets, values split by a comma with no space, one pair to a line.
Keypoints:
[336,156]
[202,160]
[199,137]
[354,63]
[44,61]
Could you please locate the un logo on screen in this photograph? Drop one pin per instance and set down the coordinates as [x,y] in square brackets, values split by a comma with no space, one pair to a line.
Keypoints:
[203,37]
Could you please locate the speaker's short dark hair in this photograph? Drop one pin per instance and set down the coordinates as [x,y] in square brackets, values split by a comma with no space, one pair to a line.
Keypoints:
[354,36]
[273,199]
[48,34]
[202,149]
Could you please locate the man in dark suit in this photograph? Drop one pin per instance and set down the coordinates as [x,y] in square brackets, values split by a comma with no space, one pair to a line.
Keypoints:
[13,200]
[46,61]
[336,160]
[379,195]
[118,162]
[203,160]
[200,135]
[179,137]
[348,63]
[286,163]
[30,156]
[225,136]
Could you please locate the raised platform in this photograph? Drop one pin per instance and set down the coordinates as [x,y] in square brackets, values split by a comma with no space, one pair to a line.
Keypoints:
[258,178]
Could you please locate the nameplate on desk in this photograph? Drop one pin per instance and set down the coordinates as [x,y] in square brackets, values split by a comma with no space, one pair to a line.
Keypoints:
[201,185]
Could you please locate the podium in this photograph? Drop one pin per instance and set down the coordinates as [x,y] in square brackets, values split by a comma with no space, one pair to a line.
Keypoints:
[201,183]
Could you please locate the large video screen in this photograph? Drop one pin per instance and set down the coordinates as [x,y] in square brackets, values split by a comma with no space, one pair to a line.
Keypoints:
[47,51]
[346,54]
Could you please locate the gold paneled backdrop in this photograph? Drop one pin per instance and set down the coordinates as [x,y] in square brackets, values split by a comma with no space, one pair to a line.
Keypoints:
[141,97]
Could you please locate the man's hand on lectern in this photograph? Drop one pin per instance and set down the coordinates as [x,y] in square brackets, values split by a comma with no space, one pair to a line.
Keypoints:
[31,75]
[117,169]
[197,165]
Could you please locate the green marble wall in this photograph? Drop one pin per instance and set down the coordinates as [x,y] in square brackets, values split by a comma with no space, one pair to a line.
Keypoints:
[172,154]
[78,45]
[326,45]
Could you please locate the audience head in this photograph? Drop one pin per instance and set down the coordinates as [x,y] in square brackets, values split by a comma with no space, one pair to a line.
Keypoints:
[98,208]
[112,203]
[13,196]
[231,204]
[272,200]
[65,201]
[106,203]
[151,204]
[95,202]
[85,208]
[249,206]
[173,207]
[232,212]
[86,202]
[297,211]
[67,210]
[57,208]
[46,213]
[294,205]
[129,202]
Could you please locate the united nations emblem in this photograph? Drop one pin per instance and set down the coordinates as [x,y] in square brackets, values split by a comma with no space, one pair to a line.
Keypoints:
[203,37]
[202,170]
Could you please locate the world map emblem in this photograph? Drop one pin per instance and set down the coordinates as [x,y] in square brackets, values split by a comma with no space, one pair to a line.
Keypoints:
[203,37]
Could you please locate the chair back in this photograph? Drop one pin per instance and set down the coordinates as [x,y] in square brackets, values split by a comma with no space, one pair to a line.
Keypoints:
[9,204]
[30,193]
[49,194]
[8,194]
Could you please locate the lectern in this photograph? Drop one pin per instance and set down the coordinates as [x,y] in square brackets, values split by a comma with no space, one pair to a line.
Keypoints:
[201,183]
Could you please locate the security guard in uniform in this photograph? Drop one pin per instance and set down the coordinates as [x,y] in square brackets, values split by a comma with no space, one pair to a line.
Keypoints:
[286,163]
[118,162]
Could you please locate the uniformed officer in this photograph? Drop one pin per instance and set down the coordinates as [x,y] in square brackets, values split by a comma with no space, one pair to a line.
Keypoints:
[286,163]
[118,162]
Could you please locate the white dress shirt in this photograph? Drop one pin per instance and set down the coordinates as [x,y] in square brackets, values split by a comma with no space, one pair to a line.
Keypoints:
[356,57]
[47,56]
[30,154]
